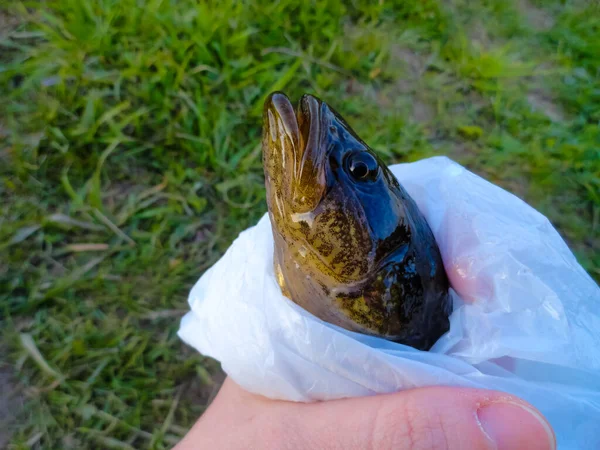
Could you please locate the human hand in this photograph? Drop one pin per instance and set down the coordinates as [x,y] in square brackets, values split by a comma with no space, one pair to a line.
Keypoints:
[516,301]
[425,418]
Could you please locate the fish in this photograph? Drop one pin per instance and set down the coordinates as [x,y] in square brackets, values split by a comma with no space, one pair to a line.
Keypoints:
[351,247]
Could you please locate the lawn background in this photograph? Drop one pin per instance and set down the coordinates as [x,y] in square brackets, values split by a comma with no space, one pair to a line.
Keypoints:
[130,159]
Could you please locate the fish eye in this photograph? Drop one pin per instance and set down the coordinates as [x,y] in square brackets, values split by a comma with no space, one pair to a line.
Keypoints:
[362,166]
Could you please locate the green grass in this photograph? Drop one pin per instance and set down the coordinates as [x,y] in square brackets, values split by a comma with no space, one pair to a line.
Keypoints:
[130,159]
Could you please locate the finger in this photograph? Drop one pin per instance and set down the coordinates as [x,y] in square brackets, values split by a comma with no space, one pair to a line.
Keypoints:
[432,418]
[427,418]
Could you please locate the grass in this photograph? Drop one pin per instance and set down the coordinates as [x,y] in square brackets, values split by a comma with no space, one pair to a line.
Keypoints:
[130,159]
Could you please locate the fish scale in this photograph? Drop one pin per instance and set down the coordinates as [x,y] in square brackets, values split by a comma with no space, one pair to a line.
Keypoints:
[350,245]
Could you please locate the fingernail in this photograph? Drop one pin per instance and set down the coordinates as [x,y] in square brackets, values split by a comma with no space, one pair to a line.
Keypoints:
[515,426]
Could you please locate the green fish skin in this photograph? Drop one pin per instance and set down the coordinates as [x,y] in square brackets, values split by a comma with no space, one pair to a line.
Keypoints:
[351,246]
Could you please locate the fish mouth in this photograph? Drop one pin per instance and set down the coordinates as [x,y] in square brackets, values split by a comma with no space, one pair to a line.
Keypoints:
[293,151]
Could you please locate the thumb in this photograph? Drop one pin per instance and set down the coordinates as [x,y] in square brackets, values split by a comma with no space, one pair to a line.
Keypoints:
[440,418]
[427,418]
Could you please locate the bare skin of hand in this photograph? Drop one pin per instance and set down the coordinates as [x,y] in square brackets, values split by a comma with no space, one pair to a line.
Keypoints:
[425,418]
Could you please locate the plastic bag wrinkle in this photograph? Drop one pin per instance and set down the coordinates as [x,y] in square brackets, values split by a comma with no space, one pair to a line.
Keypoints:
[526,318]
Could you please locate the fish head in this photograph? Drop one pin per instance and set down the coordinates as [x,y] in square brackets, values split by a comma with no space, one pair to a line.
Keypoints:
[329,194]
[351,246]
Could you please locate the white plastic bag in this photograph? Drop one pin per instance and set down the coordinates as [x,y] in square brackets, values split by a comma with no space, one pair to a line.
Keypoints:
[526,318]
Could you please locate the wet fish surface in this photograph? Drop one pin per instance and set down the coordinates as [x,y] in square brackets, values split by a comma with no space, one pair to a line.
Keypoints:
[350,245]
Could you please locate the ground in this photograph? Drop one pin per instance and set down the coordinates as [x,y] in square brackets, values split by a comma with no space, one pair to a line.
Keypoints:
[130,159]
